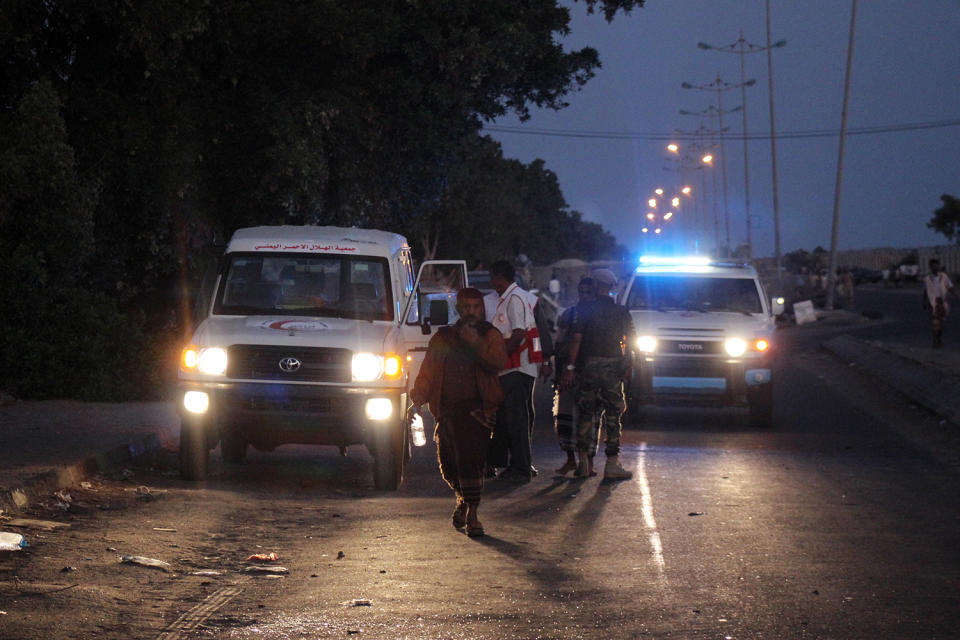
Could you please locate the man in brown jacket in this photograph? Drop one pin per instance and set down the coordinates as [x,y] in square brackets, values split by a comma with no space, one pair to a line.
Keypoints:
[458,379]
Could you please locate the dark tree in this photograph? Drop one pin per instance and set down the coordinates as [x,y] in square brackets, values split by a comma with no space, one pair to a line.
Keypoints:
[946,219]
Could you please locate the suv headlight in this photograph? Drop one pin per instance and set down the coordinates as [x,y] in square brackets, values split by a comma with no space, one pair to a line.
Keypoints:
[647,344]
[735,346]
[367,367]
[209,360]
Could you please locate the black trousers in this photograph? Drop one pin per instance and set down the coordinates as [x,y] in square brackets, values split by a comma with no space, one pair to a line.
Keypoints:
[510,446]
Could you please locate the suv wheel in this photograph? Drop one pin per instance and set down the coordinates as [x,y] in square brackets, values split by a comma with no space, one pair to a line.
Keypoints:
[760,399]
[194,452]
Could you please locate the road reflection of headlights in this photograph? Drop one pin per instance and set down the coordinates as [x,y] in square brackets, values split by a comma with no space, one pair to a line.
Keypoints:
[735,347]
[212,361]
[647,344]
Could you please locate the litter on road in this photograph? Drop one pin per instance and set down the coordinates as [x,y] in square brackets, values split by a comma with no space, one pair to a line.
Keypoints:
[358,602]
[263,557]
[28,523]
[267,570]
[11,541]
[151,563]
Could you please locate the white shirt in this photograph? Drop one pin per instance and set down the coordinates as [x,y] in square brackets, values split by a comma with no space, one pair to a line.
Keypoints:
[507,313]
[937,287]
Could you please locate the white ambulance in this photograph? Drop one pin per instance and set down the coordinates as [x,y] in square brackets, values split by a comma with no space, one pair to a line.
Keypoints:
[706,335]
[313,336]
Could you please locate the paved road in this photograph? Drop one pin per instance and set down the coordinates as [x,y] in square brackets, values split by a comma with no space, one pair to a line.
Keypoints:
[840,522]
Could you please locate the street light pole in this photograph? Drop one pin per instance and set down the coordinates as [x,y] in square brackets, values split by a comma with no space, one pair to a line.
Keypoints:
[742,47]
[835,228]
[720,86]
[773,154]
[707,159]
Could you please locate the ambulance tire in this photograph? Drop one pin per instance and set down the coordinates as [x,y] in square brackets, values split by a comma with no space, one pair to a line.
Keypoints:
[389,457]
[194,450]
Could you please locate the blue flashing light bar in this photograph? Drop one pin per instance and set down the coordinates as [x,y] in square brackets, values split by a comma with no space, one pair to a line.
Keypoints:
[685,261]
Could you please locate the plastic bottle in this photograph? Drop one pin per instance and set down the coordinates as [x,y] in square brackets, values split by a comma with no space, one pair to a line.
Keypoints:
[11,541]
[416,430]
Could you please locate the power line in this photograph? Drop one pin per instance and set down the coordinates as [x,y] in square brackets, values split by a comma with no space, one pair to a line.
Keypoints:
[662,137]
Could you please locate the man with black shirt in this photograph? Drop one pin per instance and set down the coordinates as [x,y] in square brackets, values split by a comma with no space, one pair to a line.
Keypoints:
[601,338]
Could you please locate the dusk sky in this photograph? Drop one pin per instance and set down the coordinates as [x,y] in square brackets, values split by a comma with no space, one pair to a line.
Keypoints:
[906,71]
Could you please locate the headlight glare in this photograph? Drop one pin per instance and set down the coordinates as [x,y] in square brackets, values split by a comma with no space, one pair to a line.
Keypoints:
[366,367]
[196,401]
[735,346]
[212,361]
[379,408]
[647,344]
[761,345]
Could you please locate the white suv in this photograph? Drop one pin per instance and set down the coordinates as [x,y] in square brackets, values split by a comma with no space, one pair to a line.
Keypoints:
[314,336]
[705,335]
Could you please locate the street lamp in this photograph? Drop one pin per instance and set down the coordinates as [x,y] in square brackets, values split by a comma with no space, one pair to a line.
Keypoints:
[742,47]
[697,157]
[710,112]
[720,86]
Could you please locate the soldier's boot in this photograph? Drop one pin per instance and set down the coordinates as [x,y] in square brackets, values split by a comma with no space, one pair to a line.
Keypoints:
[613,470]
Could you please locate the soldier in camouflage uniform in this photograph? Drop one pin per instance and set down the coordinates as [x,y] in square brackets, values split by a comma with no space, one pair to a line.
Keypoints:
[602,338]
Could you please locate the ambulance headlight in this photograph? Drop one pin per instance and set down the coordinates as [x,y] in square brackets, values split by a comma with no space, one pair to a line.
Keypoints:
[735,346]
[367,367]
[212,361]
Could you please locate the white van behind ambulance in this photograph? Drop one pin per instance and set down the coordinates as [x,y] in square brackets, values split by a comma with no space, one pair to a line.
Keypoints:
[314,336]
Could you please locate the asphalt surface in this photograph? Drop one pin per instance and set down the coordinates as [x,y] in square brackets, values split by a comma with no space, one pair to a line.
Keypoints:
[840,522]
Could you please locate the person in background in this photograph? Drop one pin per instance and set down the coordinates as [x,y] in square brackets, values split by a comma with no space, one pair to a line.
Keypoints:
[600,348]
[936,287]
[512,312]
[564,400]
[459,381]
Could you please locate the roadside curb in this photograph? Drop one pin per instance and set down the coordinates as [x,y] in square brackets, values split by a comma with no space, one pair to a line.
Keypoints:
[69,474]
[928,386]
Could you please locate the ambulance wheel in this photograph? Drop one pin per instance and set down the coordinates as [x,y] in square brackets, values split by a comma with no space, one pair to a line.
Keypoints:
[194,452]
[389,457]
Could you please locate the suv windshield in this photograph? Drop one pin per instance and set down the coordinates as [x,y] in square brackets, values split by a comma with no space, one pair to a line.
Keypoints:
[305,285]
[692,293]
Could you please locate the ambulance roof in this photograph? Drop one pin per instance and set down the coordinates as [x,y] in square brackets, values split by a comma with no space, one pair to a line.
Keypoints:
[314,239]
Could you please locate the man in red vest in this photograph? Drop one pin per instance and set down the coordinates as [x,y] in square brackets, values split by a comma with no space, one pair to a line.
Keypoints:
[512,312]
